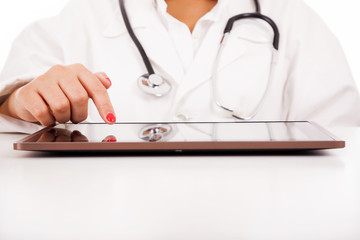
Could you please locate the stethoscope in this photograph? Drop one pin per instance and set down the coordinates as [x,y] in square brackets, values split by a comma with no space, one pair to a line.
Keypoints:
[154,84]
[156,133]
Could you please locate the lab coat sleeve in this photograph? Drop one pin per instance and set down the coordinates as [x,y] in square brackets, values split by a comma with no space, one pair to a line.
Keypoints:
[35,50]
[320,86]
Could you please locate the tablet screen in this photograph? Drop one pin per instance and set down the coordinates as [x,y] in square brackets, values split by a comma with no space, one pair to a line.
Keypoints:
[208,134]
[259,131]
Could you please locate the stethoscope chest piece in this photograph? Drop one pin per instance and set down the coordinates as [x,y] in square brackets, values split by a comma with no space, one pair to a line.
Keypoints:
[155,133]
[154,84]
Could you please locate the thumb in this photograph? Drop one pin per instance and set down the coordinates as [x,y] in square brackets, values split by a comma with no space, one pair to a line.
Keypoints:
[104,79]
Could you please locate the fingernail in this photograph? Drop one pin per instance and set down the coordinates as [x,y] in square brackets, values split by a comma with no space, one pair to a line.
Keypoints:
[107,78]
[111,140]
[111,117]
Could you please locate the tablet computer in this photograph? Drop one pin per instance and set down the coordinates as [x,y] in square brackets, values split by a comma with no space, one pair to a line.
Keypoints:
[180,137]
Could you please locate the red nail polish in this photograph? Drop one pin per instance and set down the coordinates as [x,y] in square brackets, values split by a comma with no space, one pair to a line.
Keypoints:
[111,117]
[107,78]
[110,140]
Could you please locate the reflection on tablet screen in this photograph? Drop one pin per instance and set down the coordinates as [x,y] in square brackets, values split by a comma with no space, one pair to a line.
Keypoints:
[185,132]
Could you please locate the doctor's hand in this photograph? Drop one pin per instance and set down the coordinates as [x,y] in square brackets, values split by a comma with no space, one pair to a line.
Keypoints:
[61,95]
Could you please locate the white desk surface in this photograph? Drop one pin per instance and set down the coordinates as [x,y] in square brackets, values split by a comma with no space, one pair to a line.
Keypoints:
[313,196]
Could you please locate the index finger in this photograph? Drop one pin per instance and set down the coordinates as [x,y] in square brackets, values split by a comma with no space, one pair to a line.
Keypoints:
[98,93]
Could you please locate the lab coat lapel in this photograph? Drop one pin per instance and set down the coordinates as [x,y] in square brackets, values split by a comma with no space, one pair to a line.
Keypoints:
[204,63]
[231,51]
[243,35]
[201,68]
[152,35]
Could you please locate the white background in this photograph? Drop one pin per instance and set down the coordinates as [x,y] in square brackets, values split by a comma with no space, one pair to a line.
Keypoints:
[342,16]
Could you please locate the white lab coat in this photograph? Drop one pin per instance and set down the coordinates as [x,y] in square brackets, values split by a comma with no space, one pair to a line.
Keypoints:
[311,79]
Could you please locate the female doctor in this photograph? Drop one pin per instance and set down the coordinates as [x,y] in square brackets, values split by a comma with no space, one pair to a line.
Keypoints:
[86,53]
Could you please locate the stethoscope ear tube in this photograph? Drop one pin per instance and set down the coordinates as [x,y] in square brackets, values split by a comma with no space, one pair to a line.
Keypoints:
[135,39]
[232,20]
[257,6]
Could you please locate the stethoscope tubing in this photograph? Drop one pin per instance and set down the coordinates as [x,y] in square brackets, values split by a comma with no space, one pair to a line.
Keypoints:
[155,89]
[134,38]
[235,113]
[275,29]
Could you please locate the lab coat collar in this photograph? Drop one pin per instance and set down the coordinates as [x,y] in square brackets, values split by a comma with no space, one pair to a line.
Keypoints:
[213,15]
[140,14]
[152,35]
[159,48]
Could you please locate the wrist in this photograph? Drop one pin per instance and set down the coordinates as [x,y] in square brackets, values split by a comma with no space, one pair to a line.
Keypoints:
[7,107]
